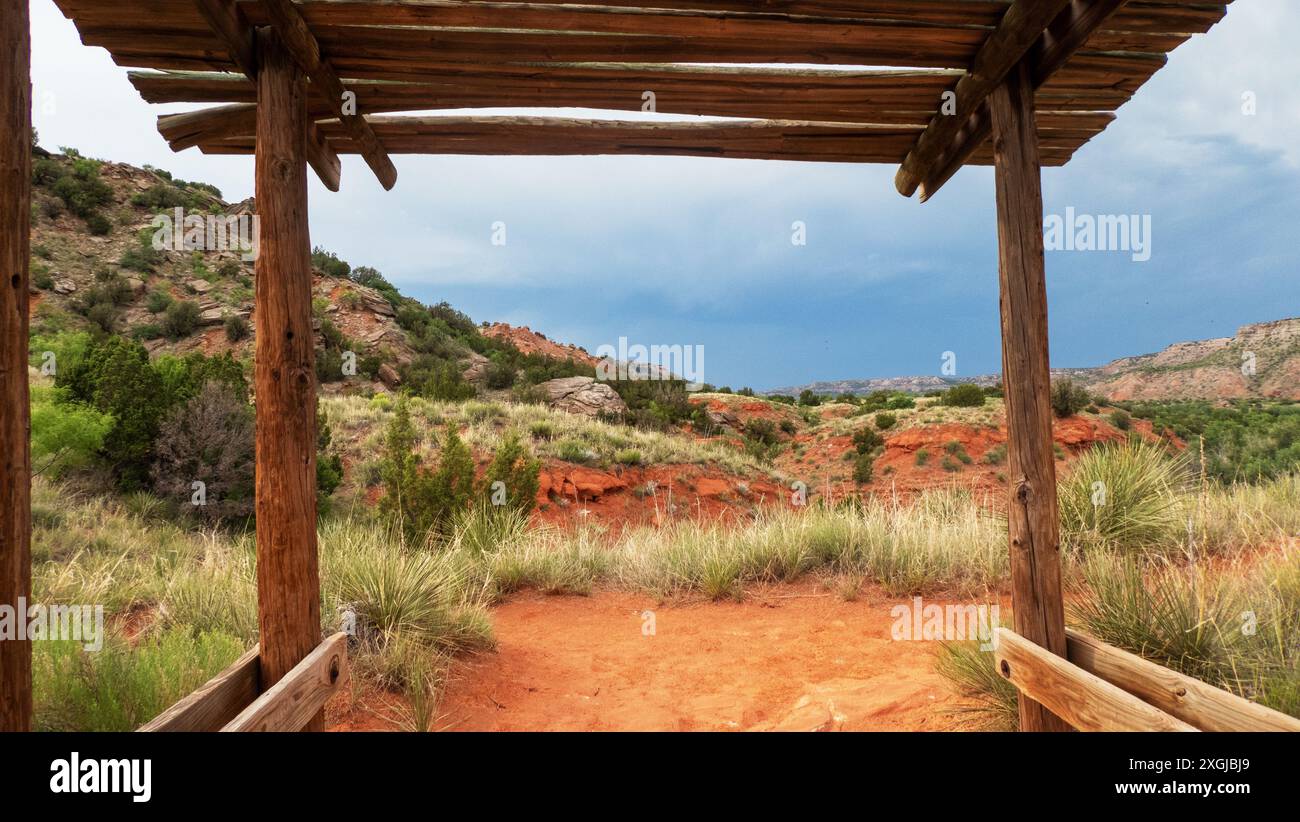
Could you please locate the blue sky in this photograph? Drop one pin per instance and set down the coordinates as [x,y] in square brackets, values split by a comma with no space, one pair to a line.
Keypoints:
[697,252]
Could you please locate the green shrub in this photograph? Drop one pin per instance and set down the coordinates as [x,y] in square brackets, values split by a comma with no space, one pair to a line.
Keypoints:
[65,434]
[98,224]
[1068,398]
[966,395]
[1121,419]
[141,257]
[158,301]
[236,328]
[180,319]
[867,440]
[207,439]
[116,378]
[863,468]
[517,469]
[885,421]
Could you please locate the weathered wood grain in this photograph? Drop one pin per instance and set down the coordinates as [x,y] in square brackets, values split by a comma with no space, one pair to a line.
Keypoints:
[15,419]
[297,700]
[1083,701]
[1032,515]
[288,576]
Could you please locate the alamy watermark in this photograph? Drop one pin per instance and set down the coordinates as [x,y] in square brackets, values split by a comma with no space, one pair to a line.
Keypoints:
[80,623]
[179,231]
[652,362]
[1100,232]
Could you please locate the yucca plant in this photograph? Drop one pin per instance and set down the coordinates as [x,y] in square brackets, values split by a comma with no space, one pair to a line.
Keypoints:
[1127,496]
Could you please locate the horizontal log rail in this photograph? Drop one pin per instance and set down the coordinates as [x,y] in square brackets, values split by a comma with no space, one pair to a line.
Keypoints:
[216,703]
[233,700]
[1191,700]
[1103,688]
[1085,701]
[290,704]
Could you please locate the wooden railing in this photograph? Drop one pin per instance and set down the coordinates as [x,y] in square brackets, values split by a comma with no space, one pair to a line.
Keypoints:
[1102,688]
[233,700]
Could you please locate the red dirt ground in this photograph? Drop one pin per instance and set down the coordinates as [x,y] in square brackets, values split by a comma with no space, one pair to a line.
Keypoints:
[789,658]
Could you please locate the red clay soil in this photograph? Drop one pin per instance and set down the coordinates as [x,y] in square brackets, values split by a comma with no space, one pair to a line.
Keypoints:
[629,496]
[789,658]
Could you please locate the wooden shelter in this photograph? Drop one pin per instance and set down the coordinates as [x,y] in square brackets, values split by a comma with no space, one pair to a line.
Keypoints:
[1016,84]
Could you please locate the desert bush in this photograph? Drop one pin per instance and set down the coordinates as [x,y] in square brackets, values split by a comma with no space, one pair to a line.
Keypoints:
[515,467]
[863,468]
[966,395]
[208,439]
[885,421]
[866,440]
[236,328]
[180,319]
[1068,398]
[65,434]
[116,378]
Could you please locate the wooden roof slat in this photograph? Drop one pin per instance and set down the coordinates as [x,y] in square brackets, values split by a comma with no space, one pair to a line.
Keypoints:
[473,31]
[401,55]
[764,139]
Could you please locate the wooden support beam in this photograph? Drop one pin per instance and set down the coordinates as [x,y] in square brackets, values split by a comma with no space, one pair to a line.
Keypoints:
[1066,35]
[239,38]
[1032,512]
[226,21]
[288,577]
[322,158]
[215,704]
[1084,701]
[294,703]
[1021,26]
[15,413]
[1191,700]
[301,45]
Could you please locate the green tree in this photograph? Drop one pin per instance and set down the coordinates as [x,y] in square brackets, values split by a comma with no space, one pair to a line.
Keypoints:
[517,469]
[115,377]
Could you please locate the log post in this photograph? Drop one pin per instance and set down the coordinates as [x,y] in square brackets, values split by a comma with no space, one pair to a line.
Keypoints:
[15,413]
[1032,515]
[288,580]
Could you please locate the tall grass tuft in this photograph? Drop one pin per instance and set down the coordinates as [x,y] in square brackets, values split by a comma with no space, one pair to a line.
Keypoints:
[122,686]
[992,700]
[1129,497]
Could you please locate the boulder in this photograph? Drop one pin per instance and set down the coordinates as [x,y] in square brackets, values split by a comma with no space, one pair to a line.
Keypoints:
[389,376]
[64,286]
[199,286]
[476,371]
[582,395]
[377,305]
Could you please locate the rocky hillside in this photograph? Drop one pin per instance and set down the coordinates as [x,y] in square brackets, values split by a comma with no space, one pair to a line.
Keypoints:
[1262,360]
[96,266]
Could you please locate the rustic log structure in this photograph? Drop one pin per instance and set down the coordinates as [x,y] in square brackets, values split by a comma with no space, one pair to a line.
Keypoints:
[928,85]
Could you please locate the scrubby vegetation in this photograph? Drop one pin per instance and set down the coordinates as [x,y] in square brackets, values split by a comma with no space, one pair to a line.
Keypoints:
[1245,440]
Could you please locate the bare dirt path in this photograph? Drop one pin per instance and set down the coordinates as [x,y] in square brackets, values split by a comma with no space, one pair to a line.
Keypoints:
[790,658]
